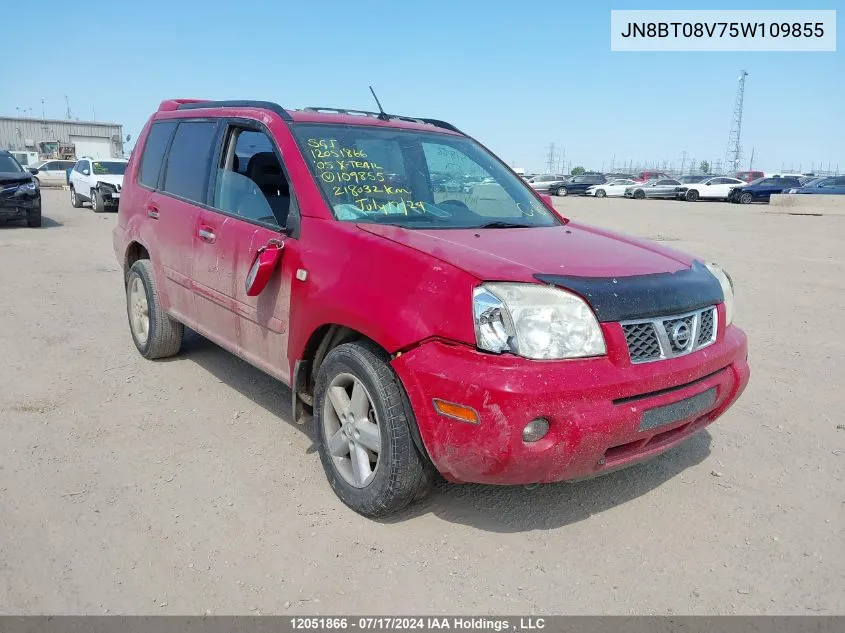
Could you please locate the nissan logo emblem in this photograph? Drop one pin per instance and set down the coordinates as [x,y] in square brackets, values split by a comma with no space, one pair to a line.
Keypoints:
[680,334]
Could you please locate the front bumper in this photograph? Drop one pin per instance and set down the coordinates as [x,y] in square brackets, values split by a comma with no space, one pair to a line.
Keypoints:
[110,197]
[594,407]
[19,205]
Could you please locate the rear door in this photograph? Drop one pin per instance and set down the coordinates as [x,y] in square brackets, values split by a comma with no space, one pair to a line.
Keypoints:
[178,184]
[249,203]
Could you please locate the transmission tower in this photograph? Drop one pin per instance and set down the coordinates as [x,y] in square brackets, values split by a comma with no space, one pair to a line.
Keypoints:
[551,158]
[734,151]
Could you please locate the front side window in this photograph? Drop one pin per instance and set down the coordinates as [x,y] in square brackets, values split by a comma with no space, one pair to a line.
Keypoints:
[9,164]
[250,181]
[107,168]
[189,160]
[413,178]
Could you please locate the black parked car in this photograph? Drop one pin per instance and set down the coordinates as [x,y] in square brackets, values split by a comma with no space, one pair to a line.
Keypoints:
[20,195]
[578,185]
[761,190]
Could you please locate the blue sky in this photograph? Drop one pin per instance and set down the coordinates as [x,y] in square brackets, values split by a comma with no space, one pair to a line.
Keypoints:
[515,75]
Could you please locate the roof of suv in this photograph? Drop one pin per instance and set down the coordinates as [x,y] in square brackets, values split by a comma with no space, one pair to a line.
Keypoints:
[316,114]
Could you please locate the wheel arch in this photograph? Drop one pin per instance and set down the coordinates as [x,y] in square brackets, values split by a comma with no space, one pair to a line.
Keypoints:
[134,251]
[323,339]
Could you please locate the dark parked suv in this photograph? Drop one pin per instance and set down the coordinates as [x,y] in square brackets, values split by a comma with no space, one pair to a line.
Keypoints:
[578,185]
[20,195]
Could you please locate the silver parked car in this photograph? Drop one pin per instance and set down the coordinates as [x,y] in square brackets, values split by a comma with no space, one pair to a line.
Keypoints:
[657,188]
[546,183]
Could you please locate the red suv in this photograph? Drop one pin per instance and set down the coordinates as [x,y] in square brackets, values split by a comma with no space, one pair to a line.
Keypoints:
[479,335]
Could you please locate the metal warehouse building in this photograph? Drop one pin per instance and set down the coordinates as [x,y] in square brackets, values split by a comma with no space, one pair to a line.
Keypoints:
[89,138]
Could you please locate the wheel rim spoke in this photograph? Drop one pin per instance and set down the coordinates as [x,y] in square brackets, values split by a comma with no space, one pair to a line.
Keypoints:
[360,463]
[368,436]
[338,444]
[340,401]
[359,403]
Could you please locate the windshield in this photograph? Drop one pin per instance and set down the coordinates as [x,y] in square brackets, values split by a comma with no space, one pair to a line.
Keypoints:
[9,164]
[109,168]
[686,180]
[416,179]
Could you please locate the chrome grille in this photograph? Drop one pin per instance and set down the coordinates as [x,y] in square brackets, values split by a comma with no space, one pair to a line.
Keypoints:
[642,341]
[668,337]
[707,326]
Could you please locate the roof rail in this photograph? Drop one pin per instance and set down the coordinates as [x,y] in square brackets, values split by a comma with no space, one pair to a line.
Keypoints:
[367,113]
[190,104]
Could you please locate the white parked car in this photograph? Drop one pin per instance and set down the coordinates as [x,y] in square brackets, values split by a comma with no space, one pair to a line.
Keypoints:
[716,188]
[53,173]
[98,182]
[612,189]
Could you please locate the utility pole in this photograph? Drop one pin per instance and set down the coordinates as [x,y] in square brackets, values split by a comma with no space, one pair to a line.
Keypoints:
[683,161]
[751,162]
[67,108]
[43,116]
[734,152]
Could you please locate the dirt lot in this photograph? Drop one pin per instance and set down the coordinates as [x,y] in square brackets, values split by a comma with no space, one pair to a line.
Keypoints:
[182,486]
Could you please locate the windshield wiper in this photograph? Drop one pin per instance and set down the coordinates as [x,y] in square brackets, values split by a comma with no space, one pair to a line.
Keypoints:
[504,225]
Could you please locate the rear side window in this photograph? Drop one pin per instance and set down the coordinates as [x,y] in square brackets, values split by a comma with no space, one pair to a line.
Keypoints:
[154,149]
[189,160]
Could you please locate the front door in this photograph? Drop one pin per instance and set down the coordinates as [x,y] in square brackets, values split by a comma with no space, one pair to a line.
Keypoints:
[250,202]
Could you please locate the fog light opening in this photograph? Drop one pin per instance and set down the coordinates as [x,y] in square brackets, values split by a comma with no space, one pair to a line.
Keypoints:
[535,430]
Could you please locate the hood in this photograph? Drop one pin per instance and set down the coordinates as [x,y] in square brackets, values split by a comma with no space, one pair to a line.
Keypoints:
[10,177]
[575,250]
[110,179]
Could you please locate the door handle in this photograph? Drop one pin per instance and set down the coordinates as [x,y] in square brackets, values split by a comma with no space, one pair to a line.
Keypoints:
[206,235]
[152,212]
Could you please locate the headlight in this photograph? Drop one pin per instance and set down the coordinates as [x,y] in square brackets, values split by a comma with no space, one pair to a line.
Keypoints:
[727,290]
[29,187]
[534,321]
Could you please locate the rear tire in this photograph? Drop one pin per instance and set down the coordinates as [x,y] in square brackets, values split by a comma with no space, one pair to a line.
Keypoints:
[381,482]
[96,202]
[600,193]
[692,195]
[154,333]
[75,202]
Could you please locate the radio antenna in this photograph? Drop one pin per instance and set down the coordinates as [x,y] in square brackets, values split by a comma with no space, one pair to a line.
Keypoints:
[382,114]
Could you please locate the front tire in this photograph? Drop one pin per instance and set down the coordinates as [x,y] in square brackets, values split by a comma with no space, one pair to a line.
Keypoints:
[33,218]
[75,202]
[639,194]
[692,195]
[362,432]
[600,193]
[746,198]
[562,191]
[155,334]
[97,205]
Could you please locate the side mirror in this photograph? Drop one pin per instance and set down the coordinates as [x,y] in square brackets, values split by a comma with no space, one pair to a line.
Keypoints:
[263,266]
[707,184]
[86,172]
[32,171]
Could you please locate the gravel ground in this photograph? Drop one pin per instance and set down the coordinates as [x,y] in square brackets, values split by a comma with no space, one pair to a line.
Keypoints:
[183,487]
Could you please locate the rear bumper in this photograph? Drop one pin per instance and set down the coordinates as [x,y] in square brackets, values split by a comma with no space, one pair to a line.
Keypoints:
[594,407]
